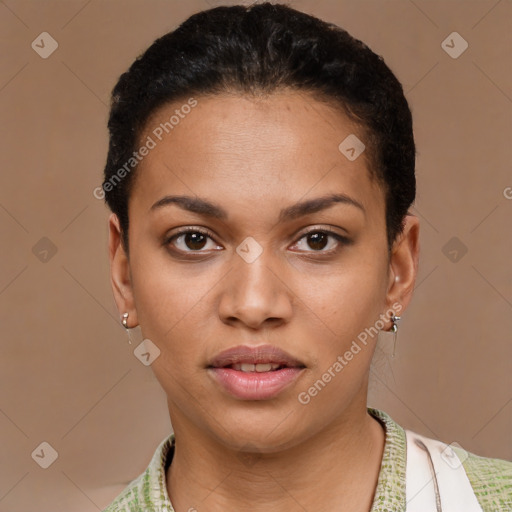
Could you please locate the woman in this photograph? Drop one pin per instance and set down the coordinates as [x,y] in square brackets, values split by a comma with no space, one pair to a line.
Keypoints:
[260,172]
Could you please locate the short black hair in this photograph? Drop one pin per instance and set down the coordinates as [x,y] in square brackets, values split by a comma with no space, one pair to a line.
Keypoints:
[260,49]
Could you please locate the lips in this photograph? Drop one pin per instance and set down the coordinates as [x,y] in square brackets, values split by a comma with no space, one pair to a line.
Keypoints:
[255,373]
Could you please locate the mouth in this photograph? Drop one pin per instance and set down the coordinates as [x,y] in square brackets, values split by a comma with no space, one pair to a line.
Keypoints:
[263,358]
[259,367]
[255,373]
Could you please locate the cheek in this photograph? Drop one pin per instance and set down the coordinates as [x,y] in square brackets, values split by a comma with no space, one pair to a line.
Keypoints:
[171,312]
[170,304]
[349,298]
[349,304]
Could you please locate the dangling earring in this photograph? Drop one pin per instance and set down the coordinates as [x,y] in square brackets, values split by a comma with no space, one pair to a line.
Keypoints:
[394,329]
[125,325]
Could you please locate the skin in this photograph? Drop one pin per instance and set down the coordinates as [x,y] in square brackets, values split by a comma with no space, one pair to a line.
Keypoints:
[254,157]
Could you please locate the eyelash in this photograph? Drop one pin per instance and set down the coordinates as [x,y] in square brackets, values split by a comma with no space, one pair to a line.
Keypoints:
[342,240]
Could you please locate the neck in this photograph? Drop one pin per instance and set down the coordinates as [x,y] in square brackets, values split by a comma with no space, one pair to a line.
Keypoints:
[337,468]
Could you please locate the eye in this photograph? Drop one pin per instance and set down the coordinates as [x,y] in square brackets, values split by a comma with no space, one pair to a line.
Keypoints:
[191,240]
[318,240]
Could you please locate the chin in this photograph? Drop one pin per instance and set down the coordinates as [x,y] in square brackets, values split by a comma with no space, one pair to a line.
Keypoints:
[259,429]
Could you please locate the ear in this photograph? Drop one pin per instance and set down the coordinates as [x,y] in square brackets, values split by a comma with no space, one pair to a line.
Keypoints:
[120,277]
[403,264]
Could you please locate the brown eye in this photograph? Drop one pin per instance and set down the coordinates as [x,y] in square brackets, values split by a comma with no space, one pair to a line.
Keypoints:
[191,240]
[317,241]
[194,241]
[321,241]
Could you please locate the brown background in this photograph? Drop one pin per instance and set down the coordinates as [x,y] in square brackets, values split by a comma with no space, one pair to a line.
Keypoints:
[68,375]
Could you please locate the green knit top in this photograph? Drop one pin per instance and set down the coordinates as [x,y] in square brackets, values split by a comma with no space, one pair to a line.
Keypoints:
[491,479]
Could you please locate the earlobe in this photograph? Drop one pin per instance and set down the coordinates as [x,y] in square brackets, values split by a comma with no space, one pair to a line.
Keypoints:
[120,277]
[404,264]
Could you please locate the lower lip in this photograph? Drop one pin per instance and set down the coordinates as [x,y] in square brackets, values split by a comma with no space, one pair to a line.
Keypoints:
[255,385]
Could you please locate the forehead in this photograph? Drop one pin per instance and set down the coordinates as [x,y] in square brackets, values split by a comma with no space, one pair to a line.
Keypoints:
[281,147]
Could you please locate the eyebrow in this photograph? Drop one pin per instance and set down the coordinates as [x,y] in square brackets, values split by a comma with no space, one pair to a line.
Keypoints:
[300,209]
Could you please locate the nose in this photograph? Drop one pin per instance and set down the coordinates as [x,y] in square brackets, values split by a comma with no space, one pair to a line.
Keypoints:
[256,293]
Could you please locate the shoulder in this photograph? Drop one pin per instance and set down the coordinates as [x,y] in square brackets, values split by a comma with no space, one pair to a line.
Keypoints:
[491,480]
[148,491]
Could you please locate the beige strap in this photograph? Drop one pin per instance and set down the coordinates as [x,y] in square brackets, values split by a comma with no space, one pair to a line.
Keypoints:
[435,478]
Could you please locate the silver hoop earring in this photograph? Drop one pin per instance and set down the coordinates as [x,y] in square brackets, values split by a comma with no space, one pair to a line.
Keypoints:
[394,329]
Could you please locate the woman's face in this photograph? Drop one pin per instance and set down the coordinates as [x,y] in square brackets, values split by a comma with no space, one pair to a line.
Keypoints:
[250,177]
